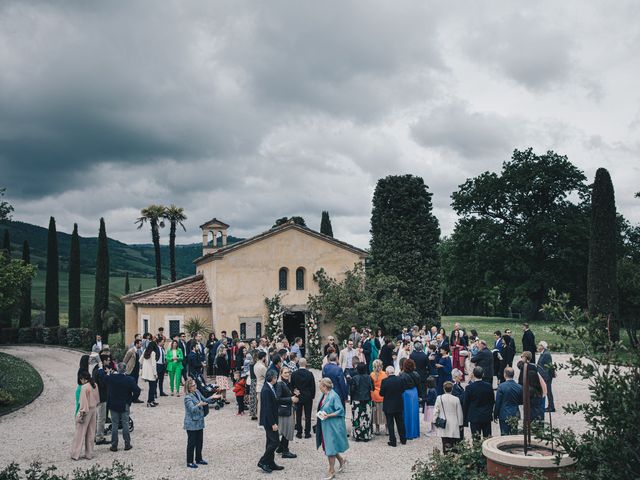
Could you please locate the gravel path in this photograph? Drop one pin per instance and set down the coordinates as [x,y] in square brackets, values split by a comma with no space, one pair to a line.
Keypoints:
[43,431]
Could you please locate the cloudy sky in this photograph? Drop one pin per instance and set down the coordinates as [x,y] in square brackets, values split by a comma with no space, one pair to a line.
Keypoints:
[249,111]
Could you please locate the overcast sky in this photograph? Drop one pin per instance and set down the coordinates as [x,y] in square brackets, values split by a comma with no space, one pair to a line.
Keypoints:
[250,111]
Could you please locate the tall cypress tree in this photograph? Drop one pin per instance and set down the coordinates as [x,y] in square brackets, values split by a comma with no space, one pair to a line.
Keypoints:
[74,279]
[602,291]
[101,298]
[6,243]
[25,304]
[127,288]
[325,224]
[51,299]
[404,242]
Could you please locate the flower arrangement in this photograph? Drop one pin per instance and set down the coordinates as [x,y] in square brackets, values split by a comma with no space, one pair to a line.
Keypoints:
[275,312]
[314,349]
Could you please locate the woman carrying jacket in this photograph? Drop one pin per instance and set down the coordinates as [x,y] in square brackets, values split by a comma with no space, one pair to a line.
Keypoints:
[331,431]
[174,367]
[448,408]
[194,414]
[285,399]
[150,373]
[360,389]
[85,417]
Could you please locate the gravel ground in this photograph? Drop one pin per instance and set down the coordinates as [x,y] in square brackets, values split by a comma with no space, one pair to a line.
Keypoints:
[43,431]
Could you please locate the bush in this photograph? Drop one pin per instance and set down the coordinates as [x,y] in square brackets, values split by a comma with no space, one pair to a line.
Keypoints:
[79,338]
[9,335]
[26,335]
[62,335]
[38,334]
[50,335]
[117,471]
[118,352]
[5,399]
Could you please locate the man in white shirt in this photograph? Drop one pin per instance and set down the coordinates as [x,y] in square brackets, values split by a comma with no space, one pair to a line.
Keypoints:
[346,356]
[295,348]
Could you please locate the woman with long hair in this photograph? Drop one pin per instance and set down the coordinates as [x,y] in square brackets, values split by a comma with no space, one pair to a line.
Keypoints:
[222,372]
[212,342]
[85,417]
[459,351]
[150,373]
[361,387]
[411,410]
[285,399]
[174,367]
[377,376]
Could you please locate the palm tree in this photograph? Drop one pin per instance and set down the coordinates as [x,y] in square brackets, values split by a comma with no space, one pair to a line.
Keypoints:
[154,214]
[175,216]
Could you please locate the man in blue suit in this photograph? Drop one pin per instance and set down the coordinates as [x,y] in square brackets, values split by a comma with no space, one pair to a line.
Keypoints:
[478,405]
[508,401]
[333,371]
[269,420]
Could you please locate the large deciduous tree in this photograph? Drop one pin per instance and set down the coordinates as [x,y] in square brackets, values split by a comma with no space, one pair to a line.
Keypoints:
[51,298]
[602,286]
[404,242]
[74,280]
[154,214]
[101,297]
[175,216]
[5,207]
[325,224]
[25,303]
[529,212]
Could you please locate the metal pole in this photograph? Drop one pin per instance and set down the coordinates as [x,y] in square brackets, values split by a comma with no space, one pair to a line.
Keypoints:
[526,407]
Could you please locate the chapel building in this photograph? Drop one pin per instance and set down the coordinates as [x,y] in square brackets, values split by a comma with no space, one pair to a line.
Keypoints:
[232,281]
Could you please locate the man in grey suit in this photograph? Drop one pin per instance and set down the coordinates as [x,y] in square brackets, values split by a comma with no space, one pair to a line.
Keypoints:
[508,401]
[545,367]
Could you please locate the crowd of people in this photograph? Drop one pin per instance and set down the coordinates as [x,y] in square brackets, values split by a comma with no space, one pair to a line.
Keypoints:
[393,386]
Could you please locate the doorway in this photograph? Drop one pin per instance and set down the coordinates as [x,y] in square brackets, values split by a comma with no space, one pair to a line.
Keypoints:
[293,327]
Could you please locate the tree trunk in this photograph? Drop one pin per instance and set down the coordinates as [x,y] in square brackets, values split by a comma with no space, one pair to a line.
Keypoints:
[172,251]
[155,235]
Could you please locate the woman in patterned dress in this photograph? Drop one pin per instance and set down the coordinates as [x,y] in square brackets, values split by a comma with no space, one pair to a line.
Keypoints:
[222,372]
[361,387]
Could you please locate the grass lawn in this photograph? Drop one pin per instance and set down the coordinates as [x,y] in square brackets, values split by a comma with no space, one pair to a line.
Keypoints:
[87,288]
[20,380]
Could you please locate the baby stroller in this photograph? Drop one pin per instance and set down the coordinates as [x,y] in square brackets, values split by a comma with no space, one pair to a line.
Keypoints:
[108,425]
[207,390]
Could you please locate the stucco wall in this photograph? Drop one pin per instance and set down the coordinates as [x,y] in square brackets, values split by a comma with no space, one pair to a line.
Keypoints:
[159,317]
[244,278]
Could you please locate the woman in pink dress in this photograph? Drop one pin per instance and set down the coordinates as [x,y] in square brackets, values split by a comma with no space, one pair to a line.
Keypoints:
[458,346]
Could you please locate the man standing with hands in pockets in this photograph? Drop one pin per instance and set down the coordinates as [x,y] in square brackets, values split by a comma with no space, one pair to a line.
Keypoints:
[269,420]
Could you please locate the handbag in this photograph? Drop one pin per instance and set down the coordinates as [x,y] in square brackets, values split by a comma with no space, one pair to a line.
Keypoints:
[441,422]
[80,417]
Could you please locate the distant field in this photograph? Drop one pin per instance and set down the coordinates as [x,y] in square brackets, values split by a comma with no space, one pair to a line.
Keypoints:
[87,287]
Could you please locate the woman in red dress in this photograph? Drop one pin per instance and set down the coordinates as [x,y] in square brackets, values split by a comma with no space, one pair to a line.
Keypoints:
[458,345]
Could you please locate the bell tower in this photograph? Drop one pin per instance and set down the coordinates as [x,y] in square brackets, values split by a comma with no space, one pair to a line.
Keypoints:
[214,235]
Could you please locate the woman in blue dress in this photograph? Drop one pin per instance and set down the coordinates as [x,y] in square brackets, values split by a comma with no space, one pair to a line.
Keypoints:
[444,366]
[331,430]
[411,402]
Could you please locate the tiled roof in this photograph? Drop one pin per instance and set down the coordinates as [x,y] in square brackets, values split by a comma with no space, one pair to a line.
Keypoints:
[188,291]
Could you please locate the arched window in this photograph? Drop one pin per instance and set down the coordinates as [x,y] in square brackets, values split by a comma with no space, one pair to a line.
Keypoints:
[282,278]
[300,278]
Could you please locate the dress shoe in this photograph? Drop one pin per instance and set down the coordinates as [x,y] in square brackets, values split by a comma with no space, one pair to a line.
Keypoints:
[403,442]
[279,450]
[307,435]
[289,455]
[265,468]
[273,466]
[103,442]
[114,449]
[192,465]
[138,401]
[298,435]
[164,395]
[391,444]
[202,462]
[128,447]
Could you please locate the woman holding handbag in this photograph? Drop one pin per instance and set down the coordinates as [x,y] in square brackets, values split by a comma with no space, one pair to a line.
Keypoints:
[448,418]
[196,407]
[85,417]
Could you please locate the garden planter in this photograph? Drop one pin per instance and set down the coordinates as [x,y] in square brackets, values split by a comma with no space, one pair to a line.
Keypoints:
[505,458]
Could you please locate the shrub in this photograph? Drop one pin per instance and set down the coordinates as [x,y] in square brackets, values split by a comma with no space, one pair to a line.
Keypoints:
[62,335]
[50,335]
[5,399]
[26,335]
[117,471]
[9,335]
[38,334]
[117,352]
[79,338]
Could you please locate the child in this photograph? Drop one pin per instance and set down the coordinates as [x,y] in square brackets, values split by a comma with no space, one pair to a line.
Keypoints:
[432,394]
[240,389]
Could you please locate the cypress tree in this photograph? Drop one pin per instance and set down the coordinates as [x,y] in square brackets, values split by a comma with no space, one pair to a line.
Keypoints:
[404,242]
[51,299]
[101,298]
[6,243]
[127,288]
[140,287]
[74,279]
[602,291]
[25,304]
[325,224]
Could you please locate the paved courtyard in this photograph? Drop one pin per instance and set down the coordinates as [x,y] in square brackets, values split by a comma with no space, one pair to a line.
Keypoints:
[43,431]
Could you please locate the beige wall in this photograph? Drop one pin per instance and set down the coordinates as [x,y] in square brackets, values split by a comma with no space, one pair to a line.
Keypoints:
[159,317]
[242,280]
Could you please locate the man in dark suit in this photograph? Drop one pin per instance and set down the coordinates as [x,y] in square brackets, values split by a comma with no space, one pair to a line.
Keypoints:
[529,342]
[422,367]
[508,401]
[182,345]
[547,371]
[392,389]
[478,405]
[484,360]
[269,420]
[333,371]
[386,353]
[122,391]
[509,348]
[304,382]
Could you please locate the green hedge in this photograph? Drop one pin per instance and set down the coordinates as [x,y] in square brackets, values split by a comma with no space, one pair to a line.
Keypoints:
[50,335]
[62,335]
[38,331]
[26,335]
[79,338]
[9,335]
